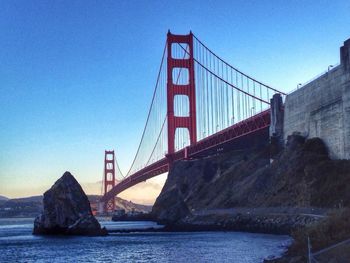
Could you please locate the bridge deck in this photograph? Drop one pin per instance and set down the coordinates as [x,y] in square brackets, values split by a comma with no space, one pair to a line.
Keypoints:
[246,132]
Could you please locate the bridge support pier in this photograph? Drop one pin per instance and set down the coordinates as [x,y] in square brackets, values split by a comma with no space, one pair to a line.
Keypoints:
[276,126]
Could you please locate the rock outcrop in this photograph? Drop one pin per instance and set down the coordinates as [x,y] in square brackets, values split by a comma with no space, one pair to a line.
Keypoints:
[206,183]
[301,176]
[67,211]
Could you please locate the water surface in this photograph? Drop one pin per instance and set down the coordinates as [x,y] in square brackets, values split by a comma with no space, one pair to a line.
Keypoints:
[17,244]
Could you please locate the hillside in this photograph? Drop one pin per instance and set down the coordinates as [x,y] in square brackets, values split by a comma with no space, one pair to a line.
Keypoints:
[302,176]
[303,193]
[124,204]
[21,207]
[32,206]
[3,198]
[35,198]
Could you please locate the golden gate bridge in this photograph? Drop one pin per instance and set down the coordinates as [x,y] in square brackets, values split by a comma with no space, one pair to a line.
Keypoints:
[201,105]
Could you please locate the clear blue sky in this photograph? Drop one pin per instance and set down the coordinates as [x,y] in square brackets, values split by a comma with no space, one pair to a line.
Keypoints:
[76,77]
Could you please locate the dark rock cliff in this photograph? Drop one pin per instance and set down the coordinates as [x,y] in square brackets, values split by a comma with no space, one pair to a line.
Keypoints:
[211,182]
[67,211]
[302,175]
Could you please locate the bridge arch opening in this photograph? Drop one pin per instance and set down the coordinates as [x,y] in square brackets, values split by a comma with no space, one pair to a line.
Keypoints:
[181,76]
[109,176]
[180,50]
[181,106]
[182,138]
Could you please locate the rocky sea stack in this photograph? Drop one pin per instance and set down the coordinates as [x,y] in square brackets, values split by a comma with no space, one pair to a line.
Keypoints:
[67,211]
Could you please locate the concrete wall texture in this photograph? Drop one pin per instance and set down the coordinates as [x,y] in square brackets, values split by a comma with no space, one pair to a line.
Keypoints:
[321,108]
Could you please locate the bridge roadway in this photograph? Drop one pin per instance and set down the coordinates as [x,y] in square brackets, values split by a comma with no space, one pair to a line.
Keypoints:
[251,131]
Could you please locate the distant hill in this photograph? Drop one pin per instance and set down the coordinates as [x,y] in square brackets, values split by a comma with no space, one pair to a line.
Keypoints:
[33,205]
[124,204]
[21,207]
[3,198]
[129,206]
[36,198]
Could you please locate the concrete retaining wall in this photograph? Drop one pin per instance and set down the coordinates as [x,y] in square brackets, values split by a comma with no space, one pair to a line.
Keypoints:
[322,108]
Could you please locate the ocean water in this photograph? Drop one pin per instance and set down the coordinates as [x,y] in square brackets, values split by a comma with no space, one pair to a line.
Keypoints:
[17,244]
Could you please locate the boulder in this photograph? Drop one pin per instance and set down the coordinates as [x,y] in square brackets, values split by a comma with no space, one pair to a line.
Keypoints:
[67,211]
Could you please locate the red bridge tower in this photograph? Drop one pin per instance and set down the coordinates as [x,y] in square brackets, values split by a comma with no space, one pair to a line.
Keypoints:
[109,180]
[174,89]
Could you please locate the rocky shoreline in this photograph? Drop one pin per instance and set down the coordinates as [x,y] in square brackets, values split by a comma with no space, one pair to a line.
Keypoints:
[243,191]
[136,217]
[267,224]
[242,220]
